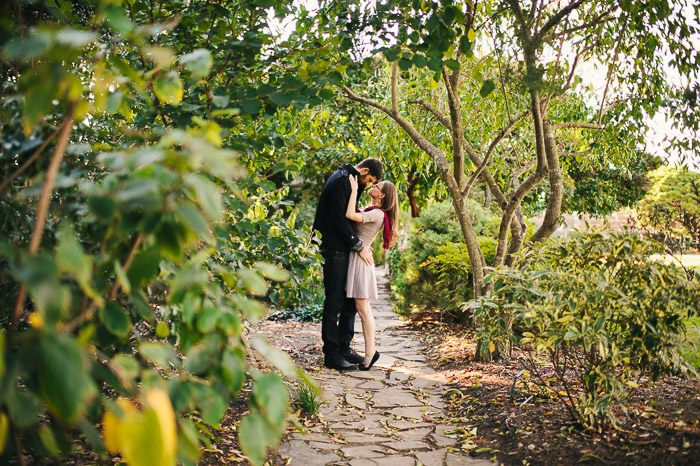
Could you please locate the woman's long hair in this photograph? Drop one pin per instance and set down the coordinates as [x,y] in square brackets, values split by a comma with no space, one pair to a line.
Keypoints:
[390,204]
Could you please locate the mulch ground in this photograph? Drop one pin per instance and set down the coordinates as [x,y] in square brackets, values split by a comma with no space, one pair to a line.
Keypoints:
[659,426]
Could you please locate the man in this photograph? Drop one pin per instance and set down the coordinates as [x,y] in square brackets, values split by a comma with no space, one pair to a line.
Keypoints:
[337,240]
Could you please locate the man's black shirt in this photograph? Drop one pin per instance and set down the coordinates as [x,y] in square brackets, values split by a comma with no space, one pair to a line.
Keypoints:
[336,230]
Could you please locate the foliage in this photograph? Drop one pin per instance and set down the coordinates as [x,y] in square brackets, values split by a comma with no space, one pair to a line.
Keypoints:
[671,209]
[306,399]
[600,189]
[145,218]
[434,269]
[308,313]
[598,311]
[495,94]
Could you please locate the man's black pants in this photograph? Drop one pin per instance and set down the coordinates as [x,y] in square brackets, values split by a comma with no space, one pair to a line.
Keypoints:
[338,321]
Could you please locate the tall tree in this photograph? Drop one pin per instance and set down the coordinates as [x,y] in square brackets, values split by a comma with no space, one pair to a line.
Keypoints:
[522,60]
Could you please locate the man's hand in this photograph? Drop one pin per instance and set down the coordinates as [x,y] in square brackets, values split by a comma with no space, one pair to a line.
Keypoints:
[366,255]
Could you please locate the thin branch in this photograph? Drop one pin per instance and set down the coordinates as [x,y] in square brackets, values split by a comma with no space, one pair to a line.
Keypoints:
[451,83]
[612,66]
[31,159]
[576,154]
[503,84]
[499,137]
[554,20]
[395,88]
[504,131]
[352,96]
[600,19]
[441,117]
[577,124]
[42,212]
[573,67]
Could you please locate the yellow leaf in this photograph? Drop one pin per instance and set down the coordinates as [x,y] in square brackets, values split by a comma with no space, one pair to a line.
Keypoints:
[4,431]
[159,401]
[492,347]
[113,424]
[471,35]
[36,320]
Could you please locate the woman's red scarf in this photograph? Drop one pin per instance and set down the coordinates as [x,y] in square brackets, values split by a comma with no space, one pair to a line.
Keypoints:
[386,235]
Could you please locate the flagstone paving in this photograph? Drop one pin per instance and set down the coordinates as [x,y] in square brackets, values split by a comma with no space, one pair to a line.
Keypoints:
[392,415]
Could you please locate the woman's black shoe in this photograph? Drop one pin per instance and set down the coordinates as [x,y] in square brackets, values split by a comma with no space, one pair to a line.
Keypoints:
[374,359]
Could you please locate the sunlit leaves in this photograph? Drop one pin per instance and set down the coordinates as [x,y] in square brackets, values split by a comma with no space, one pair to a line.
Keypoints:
[198,62]
[169,88]
[144,437]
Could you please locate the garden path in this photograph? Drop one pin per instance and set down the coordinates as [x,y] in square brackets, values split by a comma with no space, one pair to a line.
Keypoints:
[392,415]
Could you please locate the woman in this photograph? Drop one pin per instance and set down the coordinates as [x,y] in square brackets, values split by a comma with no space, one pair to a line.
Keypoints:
[362,284]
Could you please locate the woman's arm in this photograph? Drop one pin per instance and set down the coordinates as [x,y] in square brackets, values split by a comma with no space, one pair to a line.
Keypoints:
[350,211]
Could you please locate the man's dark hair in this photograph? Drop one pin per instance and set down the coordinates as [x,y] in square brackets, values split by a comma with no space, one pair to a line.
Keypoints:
[376,169]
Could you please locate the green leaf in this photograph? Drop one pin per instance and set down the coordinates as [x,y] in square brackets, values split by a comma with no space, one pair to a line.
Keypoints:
[276,357]
[115,319]
[487,87]
[272,398]
[207,319]
[233,369]
[144,267]
[211,405]
[198,62]
[272,272]
[253,282]
[160,354]
[24,407]
[207,195]
[250,308]
[169,88]
[254,437]
[48,440]
[64,377]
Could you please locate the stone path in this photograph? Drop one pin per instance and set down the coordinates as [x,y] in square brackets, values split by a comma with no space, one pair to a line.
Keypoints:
[392,415]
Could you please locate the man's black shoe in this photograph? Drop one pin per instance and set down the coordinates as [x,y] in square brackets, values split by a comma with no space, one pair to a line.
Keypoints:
[339,364]
[353,357]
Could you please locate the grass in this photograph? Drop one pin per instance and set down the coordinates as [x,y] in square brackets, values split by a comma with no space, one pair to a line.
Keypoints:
[307,400]
[690,349]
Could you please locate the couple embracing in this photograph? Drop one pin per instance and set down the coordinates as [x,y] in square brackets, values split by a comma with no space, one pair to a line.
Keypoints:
[348,267]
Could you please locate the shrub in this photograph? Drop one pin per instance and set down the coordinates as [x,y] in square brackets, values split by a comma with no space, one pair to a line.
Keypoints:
[598,311]
[310,313]
[433,270]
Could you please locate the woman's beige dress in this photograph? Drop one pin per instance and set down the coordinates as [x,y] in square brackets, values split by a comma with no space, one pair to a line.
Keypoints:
[362,282]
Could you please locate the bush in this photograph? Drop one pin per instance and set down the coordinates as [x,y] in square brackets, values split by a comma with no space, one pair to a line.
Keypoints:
[433,270]
[598,311]
[310,313]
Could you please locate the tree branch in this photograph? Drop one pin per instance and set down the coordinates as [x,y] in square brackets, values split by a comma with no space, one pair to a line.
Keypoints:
[600,19]
[611,67]
[576,124]
[395,88]
[31,159]
[444,121]
[42,211]
[499,137]
[554,20]
[457,129]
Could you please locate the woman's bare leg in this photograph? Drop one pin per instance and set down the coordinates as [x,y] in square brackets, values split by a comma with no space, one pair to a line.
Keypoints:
[365,312]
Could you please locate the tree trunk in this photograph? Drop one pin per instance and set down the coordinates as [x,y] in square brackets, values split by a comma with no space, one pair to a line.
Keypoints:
[556,187]
[411,192]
